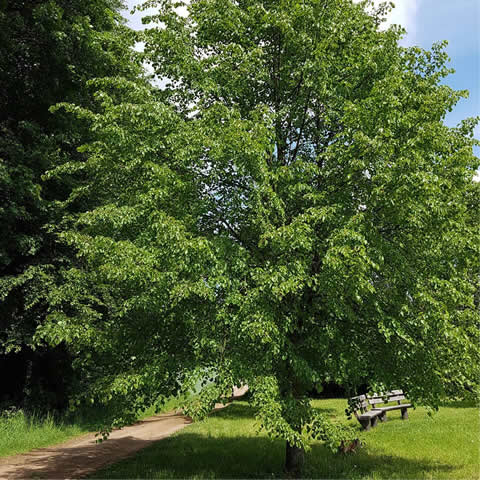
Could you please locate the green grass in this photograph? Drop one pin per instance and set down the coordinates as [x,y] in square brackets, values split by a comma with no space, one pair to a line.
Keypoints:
[226,445]
[21,432]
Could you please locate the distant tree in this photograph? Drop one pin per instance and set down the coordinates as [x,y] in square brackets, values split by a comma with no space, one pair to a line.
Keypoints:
[48,52]
[288,208]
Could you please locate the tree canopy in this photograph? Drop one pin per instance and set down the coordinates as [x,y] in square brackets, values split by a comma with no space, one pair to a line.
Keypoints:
[282,207]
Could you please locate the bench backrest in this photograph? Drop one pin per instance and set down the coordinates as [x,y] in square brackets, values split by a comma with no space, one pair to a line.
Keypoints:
[392,396]
[362,402]
[359,403]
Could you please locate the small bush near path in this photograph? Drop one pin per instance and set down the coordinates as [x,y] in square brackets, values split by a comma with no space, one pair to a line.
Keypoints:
[226,445]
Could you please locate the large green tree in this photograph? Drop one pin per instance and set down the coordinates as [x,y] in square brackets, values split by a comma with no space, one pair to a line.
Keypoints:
[48,52]
[287,208]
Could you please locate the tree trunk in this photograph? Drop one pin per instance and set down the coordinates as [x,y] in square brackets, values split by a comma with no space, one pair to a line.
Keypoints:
[294,459]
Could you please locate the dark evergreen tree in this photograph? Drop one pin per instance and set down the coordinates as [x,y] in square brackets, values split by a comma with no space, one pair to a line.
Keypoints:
[49,50]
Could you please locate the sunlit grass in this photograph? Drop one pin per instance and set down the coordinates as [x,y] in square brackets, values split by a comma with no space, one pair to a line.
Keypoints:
[20,432]
[226,445]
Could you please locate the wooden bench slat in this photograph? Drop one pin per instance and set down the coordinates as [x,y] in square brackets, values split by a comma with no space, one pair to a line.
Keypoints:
[359,397]
[385,398]
[370,413]
[386,394]
[396,398]
[393,407]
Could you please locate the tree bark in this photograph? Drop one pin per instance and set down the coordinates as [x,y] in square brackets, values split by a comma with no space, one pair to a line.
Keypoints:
[294,460]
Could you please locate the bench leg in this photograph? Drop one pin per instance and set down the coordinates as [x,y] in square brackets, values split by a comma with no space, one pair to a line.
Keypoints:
[365,422]
[404,414]
[383,417]
[374,421]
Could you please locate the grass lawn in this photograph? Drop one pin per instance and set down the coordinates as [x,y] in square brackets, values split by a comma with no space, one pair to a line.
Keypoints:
[226,445]
[21,433]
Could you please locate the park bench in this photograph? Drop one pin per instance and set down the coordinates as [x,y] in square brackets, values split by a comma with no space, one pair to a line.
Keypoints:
[369,417]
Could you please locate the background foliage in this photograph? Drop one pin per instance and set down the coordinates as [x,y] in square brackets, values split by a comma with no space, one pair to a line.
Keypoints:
[48,52]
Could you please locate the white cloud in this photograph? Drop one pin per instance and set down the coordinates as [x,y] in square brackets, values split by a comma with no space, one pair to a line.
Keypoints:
[135,20]
[404,14]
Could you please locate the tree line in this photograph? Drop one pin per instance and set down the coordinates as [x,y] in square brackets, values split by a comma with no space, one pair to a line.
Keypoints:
[49,51]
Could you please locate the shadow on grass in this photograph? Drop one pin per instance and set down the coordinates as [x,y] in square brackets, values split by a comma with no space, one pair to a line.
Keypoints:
[235,411]
[238,411]
[327,411]
[191,455]
[470,403]
[322,463]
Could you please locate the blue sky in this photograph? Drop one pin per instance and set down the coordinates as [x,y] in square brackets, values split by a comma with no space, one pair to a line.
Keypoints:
[458,22]
[428,21]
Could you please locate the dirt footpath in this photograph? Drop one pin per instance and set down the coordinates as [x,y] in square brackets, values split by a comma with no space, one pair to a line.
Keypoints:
[81,456]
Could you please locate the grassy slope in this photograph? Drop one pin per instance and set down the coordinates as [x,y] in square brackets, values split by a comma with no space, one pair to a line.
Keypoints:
[227,446]
[20,433]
